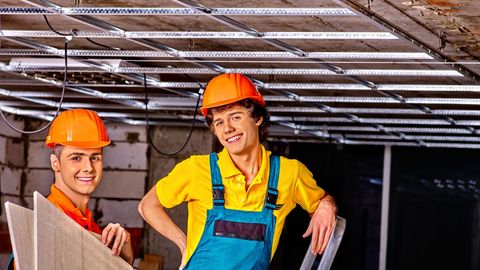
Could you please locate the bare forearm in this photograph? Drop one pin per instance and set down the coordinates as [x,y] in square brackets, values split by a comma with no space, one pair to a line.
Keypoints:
[328,201]
[155,215]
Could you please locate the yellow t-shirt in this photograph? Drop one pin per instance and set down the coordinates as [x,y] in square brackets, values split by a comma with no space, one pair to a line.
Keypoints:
[190,181]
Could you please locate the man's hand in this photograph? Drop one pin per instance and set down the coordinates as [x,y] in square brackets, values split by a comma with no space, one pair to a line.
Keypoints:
[322,224]
[116,237]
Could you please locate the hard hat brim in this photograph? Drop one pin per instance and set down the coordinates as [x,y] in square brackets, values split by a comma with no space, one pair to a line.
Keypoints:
[204,109]
[81,144]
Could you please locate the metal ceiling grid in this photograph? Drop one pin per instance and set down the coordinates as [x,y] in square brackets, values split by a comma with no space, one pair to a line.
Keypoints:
[365,90]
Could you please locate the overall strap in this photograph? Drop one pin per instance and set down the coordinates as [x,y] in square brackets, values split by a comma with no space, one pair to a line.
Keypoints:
[272,192]
[217,186]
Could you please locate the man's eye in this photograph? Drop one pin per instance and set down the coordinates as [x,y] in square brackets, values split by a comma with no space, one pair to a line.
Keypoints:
[96,158]
[75,158]
[218,124]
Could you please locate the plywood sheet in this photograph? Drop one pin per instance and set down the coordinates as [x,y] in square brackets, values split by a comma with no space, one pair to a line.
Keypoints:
[60,243]
[20,226]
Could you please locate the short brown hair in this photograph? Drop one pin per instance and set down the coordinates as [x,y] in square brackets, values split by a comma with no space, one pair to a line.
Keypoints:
[256,112]
[57,150]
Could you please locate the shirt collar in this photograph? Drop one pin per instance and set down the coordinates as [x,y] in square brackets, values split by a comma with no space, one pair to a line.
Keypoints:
[57,196]
[228,168]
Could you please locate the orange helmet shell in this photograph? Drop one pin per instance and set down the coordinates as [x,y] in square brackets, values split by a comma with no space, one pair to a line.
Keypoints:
[228,88]
[78,128]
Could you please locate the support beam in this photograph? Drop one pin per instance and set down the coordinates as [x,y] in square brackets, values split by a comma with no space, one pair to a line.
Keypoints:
[387,159]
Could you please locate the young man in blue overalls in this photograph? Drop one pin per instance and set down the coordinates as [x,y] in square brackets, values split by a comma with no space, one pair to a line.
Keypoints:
[239,198]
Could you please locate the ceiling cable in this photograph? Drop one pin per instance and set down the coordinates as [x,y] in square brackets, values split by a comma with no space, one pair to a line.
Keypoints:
[102,45]
[149,137]
[68,38]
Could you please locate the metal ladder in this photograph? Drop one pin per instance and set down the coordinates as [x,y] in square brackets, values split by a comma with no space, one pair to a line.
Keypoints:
[330,251]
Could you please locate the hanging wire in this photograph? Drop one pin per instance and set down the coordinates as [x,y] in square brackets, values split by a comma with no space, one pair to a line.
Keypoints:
[102,45]
[68,38]
[149,137]
[55,31]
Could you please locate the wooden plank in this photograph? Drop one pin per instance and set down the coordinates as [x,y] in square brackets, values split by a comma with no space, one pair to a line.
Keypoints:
[151,262]
[60,243]
[20,226]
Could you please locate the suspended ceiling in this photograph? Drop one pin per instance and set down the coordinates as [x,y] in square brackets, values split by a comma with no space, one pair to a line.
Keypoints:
[354,72]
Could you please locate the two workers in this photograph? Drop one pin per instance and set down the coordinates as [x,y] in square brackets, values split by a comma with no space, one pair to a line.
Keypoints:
[238,199]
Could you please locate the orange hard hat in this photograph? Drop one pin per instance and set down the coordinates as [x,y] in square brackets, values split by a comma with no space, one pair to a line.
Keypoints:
[228,88]
[78,128]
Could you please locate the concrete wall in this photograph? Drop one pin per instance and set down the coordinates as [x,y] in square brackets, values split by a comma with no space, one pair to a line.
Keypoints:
[25,168]
[169,139]
[12,174]
[131,168]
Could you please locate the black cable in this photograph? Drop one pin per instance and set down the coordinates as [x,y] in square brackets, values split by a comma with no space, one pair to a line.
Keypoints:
[56,32]
[71,34]
[59,104]
[102,45]
[149,137]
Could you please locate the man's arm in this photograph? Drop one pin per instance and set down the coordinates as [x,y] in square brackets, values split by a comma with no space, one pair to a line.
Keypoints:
[155,215]
[321,224]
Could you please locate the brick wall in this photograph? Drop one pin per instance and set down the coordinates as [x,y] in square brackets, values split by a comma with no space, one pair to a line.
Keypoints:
[131,167]
[25,168]
[169,139]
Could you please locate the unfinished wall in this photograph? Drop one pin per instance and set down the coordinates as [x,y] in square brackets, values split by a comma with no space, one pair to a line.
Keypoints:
[130,168]
[168,140]
[12,164]
[25,167]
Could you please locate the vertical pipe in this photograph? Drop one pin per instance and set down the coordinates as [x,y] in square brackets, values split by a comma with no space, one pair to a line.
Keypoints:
[387,158]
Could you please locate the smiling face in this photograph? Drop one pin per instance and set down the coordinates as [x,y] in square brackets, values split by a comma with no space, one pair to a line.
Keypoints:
[236,130]
[78,171]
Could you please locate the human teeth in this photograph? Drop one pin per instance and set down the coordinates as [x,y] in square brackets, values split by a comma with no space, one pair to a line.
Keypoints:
[233,138]
[85,178]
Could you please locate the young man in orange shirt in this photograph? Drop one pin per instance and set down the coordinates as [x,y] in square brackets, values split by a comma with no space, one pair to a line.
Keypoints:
[77,138]
[239,198]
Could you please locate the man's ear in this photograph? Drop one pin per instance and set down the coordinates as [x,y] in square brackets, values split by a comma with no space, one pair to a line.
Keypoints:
[55,163]
[259,121]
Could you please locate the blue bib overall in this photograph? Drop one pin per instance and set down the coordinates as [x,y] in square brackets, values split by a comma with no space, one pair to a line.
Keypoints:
[235,239]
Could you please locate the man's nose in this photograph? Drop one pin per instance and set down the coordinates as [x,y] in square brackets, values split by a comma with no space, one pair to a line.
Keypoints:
[227,128]
[87,165]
